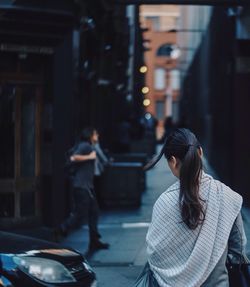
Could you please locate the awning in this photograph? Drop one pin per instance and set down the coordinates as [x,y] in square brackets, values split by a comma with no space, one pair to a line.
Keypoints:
[35,26]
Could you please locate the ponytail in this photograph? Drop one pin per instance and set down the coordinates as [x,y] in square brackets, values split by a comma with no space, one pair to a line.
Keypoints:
[190,204]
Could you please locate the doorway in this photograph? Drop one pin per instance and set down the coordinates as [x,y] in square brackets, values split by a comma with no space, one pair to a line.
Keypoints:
[20,127]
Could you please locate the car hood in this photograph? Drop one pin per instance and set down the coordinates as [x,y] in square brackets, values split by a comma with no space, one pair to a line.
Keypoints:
[11,243]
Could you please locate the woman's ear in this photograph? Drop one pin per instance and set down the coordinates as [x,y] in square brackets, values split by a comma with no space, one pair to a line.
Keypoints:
[174,164]
[200,152]
[173,161]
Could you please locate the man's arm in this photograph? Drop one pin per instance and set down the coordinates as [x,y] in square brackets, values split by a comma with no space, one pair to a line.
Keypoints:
[78,157]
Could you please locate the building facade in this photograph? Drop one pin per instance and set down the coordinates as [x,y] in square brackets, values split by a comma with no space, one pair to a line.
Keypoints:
[161,60]
[215,98]
[64,66]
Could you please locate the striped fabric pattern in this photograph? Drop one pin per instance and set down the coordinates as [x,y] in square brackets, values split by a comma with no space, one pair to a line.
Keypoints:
[179,256]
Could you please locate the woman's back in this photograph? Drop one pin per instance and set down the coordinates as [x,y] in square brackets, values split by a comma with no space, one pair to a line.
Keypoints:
[180,256]
[191,223]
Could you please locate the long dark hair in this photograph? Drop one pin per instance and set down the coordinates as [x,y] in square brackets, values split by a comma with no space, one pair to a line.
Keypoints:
[183,145]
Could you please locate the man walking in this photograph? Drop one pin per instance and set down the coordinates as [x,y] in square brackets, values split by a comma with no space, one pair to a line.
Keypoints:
[85,203]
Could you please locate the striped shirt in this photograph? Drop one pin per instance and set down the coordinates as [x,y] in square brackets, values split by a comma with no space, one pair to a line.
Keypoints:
[179,256]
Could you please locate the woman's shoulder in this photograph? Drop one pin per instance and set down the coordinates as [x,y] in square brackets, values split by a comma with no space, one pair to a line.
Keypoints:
[168,202]
[172,188]
[218,185]
[170,193]
[215,192]
[228,194]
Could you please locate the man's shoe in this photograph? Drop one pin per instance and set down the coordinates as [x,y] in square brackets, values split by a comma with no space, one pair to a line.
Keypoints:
[98,245]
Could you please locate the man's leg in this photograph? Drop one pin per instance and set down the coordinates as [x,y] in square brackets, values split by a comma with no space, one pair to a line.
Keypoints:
[77,216]
[94,235]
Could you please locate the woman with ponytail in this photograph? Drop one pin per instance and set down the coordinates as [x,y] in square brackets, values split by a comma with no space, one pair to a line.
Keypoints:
[196,222]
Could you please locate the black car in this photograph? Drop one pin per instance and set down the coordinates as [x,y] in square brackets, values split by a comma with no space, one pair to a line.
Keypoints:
[28,262]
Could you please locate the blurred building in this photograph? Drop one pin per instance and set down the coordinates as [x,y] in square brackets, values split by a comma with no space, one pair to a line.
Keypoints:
[64,65]
[215,87]
[38,77]
[161,92]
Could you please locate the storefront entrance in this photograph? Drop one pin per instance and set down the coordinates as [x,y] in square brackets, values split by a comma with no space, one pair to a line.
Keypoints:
[20,128]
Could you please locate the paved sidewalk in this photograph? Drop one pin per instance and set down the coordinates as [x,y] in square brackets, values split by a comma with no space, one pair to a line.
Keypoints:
[125,230]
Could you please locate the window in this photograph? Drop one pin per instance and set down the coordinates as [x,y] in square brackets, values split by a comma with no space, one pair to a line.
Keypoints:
[155,22]
[159,79]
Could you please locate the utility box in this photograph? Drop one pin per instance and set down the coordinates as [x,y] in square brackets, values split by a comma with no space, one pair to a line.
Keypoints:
[134,157]
[121,185]
[131,157]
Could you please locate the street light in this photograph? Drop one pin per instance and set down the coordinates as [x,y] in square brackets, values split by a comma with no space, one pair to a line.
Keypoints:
[143,69]
[146,102]
[145,90]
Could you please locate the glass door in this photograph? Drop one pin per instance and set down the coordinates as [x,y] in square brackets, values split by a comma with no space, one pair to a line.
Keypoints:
[20,113]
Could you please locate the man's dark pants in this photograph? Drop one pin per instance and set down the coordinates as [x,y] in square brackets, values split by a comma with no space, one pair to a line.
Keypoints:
[85,210]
